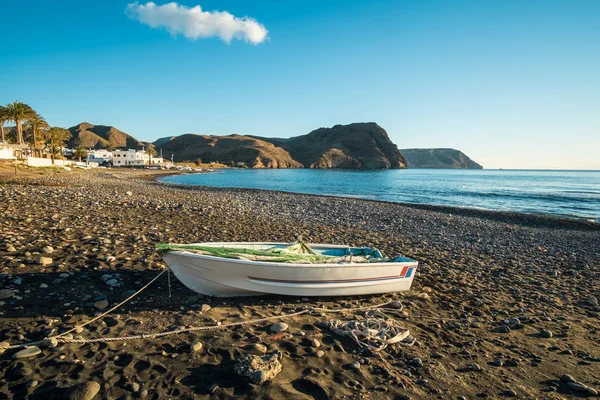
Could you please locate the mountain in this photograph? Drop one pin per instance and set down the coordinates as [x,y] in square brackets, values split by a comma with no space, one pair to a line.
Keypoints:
[354,146]
[438,158]
[254,152]
[100,136]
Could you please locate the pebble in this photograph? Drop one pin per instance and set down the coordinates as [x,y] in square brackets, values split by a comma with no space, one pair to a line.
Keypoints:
[355,365]
[32,384]
[567,378]
[6,294]
[510,393]
[43,286]
[320,353]
[423,296]
[27,352]
[315,343]
[101,305]
[11,249]
[135,387]
[205,308]
[48,250]
[44,260]
[576,386]
[279,327]
[84,391]
[261,348]
[112,282]
[592,301]
[196,346]
[498,362]
[545,333]
[475,367]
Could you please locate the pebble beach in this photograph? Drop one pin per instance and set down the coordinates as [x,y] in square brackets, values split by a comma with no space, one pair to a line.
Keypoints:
[502,305]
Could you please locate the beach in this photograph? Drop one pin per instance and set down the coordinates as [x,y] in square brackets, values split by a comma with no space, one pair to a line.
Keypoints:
[503,304]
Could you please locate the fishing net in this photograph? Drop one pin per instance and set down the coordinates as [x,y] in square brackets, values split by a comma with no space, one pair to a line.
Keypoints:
[297,253]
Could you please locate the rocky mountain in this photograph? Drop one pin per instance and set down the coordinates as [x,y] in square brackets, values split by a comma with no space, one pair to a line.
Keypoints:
[354,146]
[438,158]
[100,137]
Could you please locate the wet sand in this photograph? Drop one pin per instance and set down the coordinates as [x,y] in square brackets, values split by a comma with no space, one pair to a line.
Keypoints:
[502,306]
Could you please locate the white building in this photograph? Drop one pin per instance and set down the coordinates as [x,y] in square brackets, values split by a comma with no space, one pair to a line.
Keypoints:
[99,156]
[7,152]
[134,158]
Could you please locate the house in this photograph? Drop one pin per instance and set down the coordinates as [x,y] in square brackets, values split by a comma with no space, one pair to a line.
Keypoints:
[99,156]
[7,152]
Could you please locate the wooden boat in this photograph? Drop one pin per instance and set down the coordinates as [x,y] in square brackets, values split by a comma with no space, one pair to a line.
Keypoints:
[343,276]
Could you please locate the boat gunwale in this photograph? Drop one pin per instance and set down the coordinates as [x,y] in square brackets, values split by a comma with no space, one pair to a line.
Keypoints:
[410,261]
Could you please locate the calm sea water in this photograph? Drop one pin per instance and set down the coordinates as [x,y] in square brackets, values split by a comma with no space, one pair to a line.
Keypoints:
[566,193]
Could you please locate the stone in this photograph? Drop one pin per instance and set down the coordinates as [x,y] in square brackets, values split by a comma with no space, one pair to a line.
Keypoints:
[261,348]
[592,301]
[320,353]
[10,248]
[576,386]
[498,362]
[17,281]
[315,343]
[27,352]
[43,286]
[504,329]
[196,346]
[135,387]
[64,275]
[84,391]
[48,250]
[205,308]
[592,391]
[567,378]
[476,367]
[33,384]
[44,260]
[101,305]
[510,393]
[545,333]
[423,296]
[355,365]
[279,327]
[112,282]
[6,294]
[258,369]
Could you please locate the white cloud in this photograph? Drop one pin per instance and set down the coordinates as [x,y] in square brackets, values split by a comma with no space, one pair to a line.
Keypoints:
[194,23]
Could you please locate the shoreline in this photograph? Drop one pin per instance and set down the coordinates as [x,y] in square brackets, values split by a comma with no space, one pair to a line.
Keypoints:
[485,295]
[498,215]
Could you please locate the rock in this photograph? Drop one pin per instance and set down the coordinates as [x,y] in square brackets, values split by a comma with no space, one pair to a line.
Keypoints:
[423,296]
[355,365]
[258,369]
[503,329]
[261,348]
[196,346]
[101,305]
[6,294]
[135,387]
[205,308]
[476,367]
[498,362]
[48,250]
[44,260]
[212,388]
[32,384]
[11,249]
[566,378]
[129,193]
[592,301]
[27,352]
[578,387]
[510,393]
[112,282]
[84,391]
[592,391]
[320,353]
[315,343]
[17,281]
[43,286]
[4,346]
[545,333]
[64,275]
[279,327]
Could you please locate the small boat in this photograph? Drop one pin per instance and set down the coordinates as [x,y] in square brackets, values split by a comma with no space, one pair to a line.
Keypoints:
[230,269]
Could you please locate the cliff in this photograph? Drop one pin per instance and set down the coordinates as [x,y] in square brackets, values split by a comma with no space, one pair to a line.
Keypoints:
[100,136]
[354,146]
[438,158]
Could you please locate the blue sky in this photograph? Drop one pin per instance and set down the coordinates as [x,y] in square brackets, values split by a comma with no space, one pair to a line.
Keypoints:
[514,84]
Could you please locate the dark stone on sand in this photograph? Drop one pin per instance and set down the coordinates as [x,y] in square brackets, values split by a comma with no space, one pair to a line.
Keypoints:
[84,391]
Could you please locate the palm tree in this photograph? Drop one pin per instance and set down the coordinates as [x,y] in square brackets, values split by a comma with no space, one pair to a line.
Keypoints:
[80,152]
[37,123]
[18,113]
[55,138]
[3,119]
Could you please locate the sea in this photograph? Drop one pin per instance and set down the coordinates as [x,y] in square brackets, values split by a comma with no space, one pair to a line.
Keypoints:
[571,194]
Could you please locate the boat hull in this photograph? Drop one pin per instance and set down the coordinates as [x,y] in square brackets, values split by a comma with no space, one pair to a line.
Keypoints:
[221,277]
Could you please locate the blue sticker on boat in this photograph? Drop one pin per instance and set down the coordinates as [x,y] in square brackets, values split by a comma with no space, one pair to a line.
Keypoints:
[408,273]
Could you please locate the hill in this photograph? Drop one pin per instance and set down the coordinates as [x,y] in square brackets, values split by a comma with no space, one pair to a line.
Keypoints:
[438,158]
[354,146]
[101,136]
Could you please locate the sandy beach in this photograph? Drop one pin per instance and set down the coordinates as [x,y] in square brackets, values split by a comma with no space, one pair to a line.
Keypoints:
[503,305]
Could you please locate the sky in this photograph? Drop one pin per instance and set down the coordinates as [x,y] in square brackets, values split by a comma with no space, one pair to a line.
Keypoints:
[512,83]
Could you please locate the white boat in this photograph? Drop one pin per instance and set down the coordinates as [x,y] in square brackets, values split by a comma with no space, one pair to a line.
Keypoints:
[228,277]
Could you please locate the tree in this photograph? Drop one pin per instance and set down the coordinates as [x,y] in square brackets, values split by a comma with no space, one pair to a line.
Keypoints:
[3,119]
[18,113]
[80,152]
[36,123]
[151,150]
[55,138]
